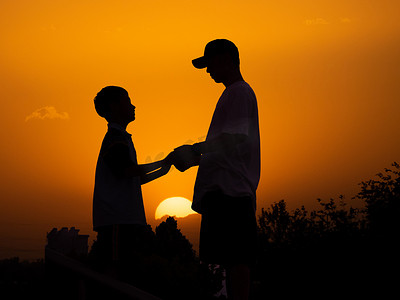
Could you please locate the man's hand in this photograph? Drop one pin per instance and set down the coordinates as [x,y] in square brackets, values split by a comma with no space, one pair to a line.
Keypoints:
[184,157]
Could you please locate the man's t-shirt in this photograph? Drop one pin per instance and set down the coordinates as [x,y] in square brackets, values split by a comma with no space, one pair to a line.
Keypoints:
[235,172]
[117,199]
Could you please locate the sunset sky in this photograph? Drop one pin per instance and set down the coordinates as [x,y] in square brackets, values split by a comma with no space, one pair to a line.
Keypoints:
[326,75]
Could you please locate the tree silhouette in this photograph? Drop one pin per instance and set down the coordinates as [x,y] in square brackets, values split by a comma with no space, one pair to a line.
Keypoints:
[382,210]
[353,250]
[382,203]
[171,244]
[183,276]
[300,247]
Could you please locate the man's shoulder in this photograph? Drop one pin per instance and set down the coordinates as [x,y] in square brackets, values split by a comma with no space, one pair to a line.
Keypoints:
[239,91]
[240,87]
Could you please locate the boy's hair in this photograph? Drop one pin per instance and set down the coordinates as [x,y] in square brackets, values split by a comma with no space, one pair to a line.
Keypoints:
[104,98]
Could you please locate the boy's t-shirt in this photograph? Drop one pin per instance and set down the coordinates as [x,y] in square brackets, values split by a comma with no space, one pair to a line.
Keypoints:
[117,199]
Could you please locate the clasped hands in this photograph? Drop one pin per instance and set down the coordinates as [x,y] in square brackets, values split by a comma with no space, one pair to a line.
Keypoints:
[183,158]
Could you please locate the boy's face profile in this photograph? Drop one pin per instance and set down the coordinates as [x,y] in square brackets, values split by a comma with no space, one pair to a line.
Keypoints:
[122,110]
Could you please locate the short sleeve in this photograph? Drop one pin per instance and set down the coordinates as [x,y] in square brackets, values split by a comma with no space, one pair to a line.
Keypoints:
[237,109]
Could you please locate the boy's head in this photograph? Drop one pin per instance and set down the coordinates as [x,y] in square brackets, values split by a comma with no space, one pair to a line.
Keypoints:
[113,104]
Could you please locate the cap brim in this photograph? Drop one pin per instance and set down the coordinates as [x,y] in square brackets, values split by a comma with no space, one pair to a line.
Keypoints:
[200,63]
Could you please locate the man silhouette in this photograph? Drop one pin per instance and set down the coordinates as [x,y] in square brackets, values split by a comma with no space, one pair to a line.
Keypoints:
[229,170]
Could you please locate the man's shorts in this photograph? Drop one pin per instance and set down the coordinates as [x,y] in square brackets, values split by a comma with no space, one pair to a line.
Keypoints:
[228,234]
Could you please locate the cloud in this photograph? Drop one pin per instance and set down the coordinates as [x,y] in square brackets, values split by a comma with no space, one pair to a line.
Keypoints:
[49,28]
[317,21]
[321,21]
[47,112]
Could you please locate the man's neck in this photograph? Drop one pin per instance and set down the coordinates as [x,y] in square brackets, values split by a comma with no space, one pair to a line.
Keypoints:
[232,79]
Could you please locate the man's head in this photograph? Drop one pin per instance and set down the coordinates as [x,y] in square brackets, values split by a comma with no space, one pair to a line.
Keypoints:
[221,58]
[113,104]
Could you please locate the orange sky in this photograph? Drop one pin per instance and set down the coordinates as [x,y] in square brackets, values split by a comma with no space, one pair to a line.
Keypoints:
[325,73]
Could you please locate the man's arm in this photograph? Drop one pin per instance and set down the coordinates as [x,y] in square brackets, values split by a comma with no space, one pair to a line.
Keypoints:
[225,142]
[187,156]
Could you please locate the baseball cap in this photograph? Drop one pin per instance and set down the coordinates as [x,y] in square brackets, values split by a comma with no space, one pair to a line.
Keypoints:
[213,48]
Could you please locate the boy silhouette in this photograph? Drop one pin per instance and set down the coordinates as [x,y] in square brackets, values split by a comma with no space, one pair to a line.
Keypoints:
[118,212]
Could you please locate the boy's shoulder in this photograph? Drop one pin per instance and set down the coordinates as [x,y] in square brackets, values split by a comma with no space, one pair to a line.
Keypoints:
[115,133]
[114,136]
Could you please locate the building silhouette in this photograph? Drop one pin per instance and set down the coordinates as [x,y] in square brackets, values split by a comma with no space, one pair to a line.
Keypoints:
[68,241]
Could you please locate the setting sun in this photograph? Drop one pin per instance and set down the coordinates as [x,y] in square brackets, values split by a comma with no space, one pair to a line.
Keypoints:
[175,206]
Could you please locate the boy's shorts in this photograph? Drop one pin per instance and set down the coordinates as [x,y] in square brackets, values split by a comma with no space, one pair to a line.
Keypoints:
[123,242]
[228,234]
[121,249]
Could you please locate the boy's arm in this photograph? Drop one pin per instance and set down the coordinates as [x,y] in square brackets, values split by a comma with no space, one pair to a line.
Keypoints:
[141,170]
[149,172]
[118,160]
[156,174]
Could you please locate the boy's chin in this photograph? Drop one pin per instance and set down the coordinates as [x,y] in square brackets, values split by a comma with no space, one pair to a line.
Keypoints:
[131,120]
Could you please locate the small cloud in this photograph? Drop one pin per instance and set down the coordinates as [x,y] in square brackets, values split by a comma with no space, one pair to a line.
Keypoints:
[345,20]
[47,112]
[49,28]
[317,21]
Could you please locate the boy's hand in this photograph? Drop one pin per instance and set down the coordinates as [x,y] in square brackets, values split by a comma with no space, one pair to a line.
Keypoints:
[169,160]
[167,163]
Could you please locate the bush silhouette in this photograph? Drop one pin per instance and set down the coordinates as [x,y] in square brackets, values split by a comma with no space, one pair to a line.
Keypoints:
[335,246]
